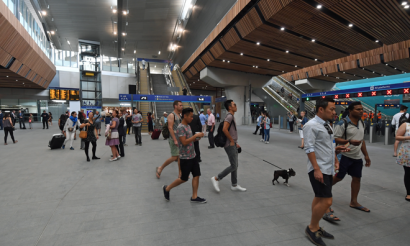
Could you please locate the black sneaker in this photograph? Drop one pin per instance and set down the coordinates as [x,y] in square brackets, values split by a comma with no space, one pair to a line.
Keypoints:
[166,193]
[198,200]
[140,144]
[314,237]
[325,234]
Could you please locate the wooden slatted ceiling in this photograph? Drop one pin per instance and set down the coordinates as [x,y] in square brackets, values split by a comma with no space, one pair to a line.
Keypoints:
[188,74]
[230,39]
[207,58]
[199,65]
[273,37]
[275,55]
[270,8]
[10,81]
[217,50]
[193,70]
[314,24]
[196,83]
[16,42]
[386,20]
[248,23]
[232,13]
[382,69]
[233,57]
[243,68]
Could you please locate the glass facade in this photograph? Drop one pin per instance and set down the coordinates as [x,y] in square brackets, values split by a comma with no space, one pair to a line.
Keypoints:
[90,76]
[113,64]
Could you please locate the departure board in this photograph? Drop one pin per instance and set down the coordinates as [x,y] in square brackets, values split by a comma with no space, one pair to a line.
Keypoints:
[64,94]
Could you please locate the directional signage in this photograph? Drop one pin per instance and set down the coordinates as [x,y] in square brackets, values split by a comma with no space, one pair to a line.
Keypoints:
[345,103]
[392,89]
[388,105]
[163,98]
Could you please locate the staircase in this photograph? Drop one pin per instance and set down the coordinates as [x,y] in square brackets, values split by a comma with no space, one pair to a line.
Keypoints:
[161,88]
[144,107]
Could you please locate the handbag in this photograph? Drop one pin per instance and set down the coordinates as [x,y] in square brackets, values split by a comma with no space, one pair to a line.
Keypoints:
[84,134]
[108,134]
[115,135]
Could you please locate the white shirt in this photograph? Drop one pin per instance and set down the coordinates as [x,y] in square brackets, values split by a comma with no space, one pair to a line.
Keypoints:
[396,119]
[318,140]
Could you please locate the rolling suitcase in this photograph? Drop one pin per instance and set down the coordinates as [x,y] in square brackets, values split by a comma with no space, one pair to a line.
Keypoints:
[57,141]
[156,133]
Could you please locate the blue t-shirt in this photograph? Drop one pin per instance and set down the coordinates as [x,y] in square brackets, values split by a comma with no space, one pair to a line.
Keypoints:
[107,119]
[217,115]
[259,120]
[304,121]
[202,117]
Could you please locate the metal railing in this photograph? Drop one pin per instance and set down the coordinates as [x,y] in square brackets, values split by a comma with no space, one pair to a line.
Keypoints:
[153,105]
[184,83]
[171,80]
[294,90]
[278,98]
[138,75]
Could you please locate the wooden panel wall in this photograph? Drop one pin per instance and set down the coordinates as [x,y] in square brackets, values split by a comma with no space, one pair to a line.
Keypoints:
[16,42]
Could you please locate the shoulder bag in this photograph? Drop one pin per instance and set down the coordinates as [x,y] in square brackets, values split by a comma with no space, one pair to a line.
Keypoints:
[83,134]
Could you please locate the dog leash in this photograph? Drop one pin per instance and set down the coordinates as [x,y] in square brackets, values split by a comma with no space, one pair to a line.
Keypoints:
[263,160]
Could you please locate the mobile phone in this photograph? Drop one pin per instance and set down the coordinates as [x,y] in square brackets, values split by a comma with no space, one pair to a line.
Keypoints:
[347,145]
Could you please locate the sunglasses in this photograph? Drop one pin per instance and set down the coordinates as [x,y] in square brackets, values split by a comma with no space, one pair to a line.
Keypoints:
[329,129]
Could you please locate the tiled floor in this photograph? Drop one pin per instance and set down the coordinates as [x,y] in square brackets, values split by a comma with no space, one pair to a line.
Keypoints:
[54,197]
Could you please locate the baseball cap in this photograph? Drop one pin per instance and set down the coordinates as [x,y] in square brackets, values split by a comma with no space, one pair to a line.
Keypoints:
[165,113]
[202,110]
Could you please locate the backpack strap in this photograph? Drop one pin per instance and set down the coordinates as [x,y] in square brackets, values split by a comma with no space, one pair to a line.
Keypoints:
[233,121]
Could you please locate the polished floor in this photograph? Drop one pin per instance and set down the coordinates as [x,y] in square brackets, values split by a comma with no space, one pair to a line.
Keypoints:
[54,197]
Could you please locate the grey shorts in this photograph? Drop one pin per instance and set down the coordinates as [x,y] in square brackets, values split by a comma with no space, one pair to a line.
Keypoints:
[98,125]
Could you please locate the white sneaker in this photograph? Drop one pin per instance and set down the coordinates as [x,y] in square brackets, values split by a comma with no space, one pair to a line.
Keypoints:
[262,140]
[238,188]
[266,142]
[216,184]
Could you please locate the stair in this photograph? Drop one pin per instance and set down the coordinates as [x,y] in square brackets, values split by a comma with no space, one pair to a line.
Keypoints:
[178,83]
[160,87]
[144,106]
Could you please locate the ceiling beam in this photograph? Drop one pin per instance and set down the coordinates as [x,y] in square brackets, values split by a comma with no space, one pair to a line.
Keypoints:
[120,8]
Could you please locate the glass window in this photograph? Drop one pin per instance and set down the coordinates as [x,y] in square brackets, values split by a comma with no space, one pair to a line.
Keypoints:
[114,64]
[12,6]
[58,57]
[106,63]
[74,59]
[131,67]
[123,66]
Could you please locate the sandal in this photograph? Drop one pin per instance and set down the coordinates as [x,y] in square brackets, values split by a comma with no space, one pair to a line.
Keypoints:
[157,173]
[361,209]
[330,217]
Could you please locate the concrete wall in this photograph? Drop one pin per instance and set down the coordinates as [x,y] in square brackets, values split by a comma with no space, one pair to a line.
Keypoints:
[69,79]
[112,86]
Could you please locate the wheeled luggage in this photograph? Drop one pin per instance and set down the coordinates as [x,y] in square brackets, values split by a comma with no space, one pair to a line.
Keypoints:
[57,141]
[156,133]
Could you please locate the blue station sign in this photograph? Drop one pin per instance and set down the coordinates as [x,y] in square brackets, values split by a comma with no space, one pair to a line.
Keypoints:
[163,98]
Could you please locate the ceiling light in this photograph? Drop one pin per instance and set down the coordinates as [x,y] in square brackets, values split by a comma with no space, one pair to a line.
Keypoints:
[256,66]
[115,33]
[344,72]
[23,83]
[124,12]
[258,43]
[198,80]
[135,51]
[133,59]
[115,41]
[241,54]
[52,32]
[406,7]
[282,28]
[253,66]
[268,60]
[123,34]
[228,61]
[313,40]
[287,51]
[17,80]
[387,64]
[283,71]
[404,3]
[68,41]
[123,49]
[350,25]
[114,11]
[223,60]
[44,12]
[373,71]
[319,6]
[315,59]
[376,41]
[7,76]
[159,52]
[395,68]
[296,65]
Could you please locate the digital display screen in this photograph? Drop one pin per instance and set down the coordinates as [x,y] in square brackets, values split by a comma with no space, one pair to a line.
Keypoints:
[65,94]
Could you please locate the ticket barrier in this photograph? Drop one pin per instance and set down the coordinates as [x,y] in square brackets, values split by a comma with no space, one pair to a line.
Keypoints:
[390,137]
[381,132]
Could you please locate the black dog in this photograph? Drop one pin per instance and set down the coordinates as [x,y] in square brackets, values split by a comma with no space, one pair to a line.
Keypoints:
[285,174]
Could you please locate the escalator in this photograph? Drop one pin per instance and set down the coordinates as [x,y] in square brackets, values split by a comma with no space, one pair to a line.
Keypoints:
[160,87]
[144,89]
[180,82]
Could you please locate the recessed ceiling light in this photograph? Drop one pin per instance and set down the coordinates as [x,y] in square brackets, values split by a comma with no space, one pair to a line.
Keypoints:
[268,60]
[123,49]
[253,66]
[114,11]
[376,41]
[68,41]
[362,68]
[115,33]
[17,80]
[223,60]
[344,72]
[350,25]
[256,66]
[283,71]
[241,54]
[258,43]
[282,28]
[287,51]
[313,40]
[228,61]
[315,59]
[124,12]
[296,65]
[52,32]
[44,12]
[319,6]
[395,68]
[159,52]
[7,76]
[373,71]
[115,41]
[123,34]
[135,51]
[387,64]
[406,7]
[404,3]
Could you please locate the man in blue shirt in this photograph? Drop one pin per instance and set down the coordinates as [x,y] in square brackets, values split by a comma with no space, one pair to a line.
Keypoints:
[21,120]
[218,119]
[258,125]
[203,119]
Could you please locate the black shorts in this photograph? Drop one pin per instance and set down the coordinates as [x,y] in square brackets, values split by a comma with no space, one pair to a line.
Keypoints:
[320,189]
[189,166]
[350,166]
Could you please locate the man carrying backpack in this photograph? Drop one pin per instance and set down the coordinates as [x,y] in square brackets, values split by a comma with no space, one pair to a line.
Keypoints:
[399,119]
[231,147]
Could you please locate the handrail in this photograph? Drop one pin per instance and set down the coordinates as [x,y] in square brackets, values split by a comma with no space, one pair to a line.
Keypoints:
[182,79]
[153,105]
[138,74]
[282,81]
[291,85]
[277,98]
[170,78]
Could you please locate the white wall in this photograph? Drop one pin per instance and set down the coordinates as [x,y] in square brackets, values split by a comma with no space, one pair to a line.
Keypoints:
[69,79]
[237,95]
[113,85]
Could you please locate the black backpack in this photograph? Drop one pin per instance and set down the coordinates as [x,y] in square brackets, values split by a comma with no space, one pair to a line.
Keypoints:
[165,130]
[63,120]
[403,119]
[220,138]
